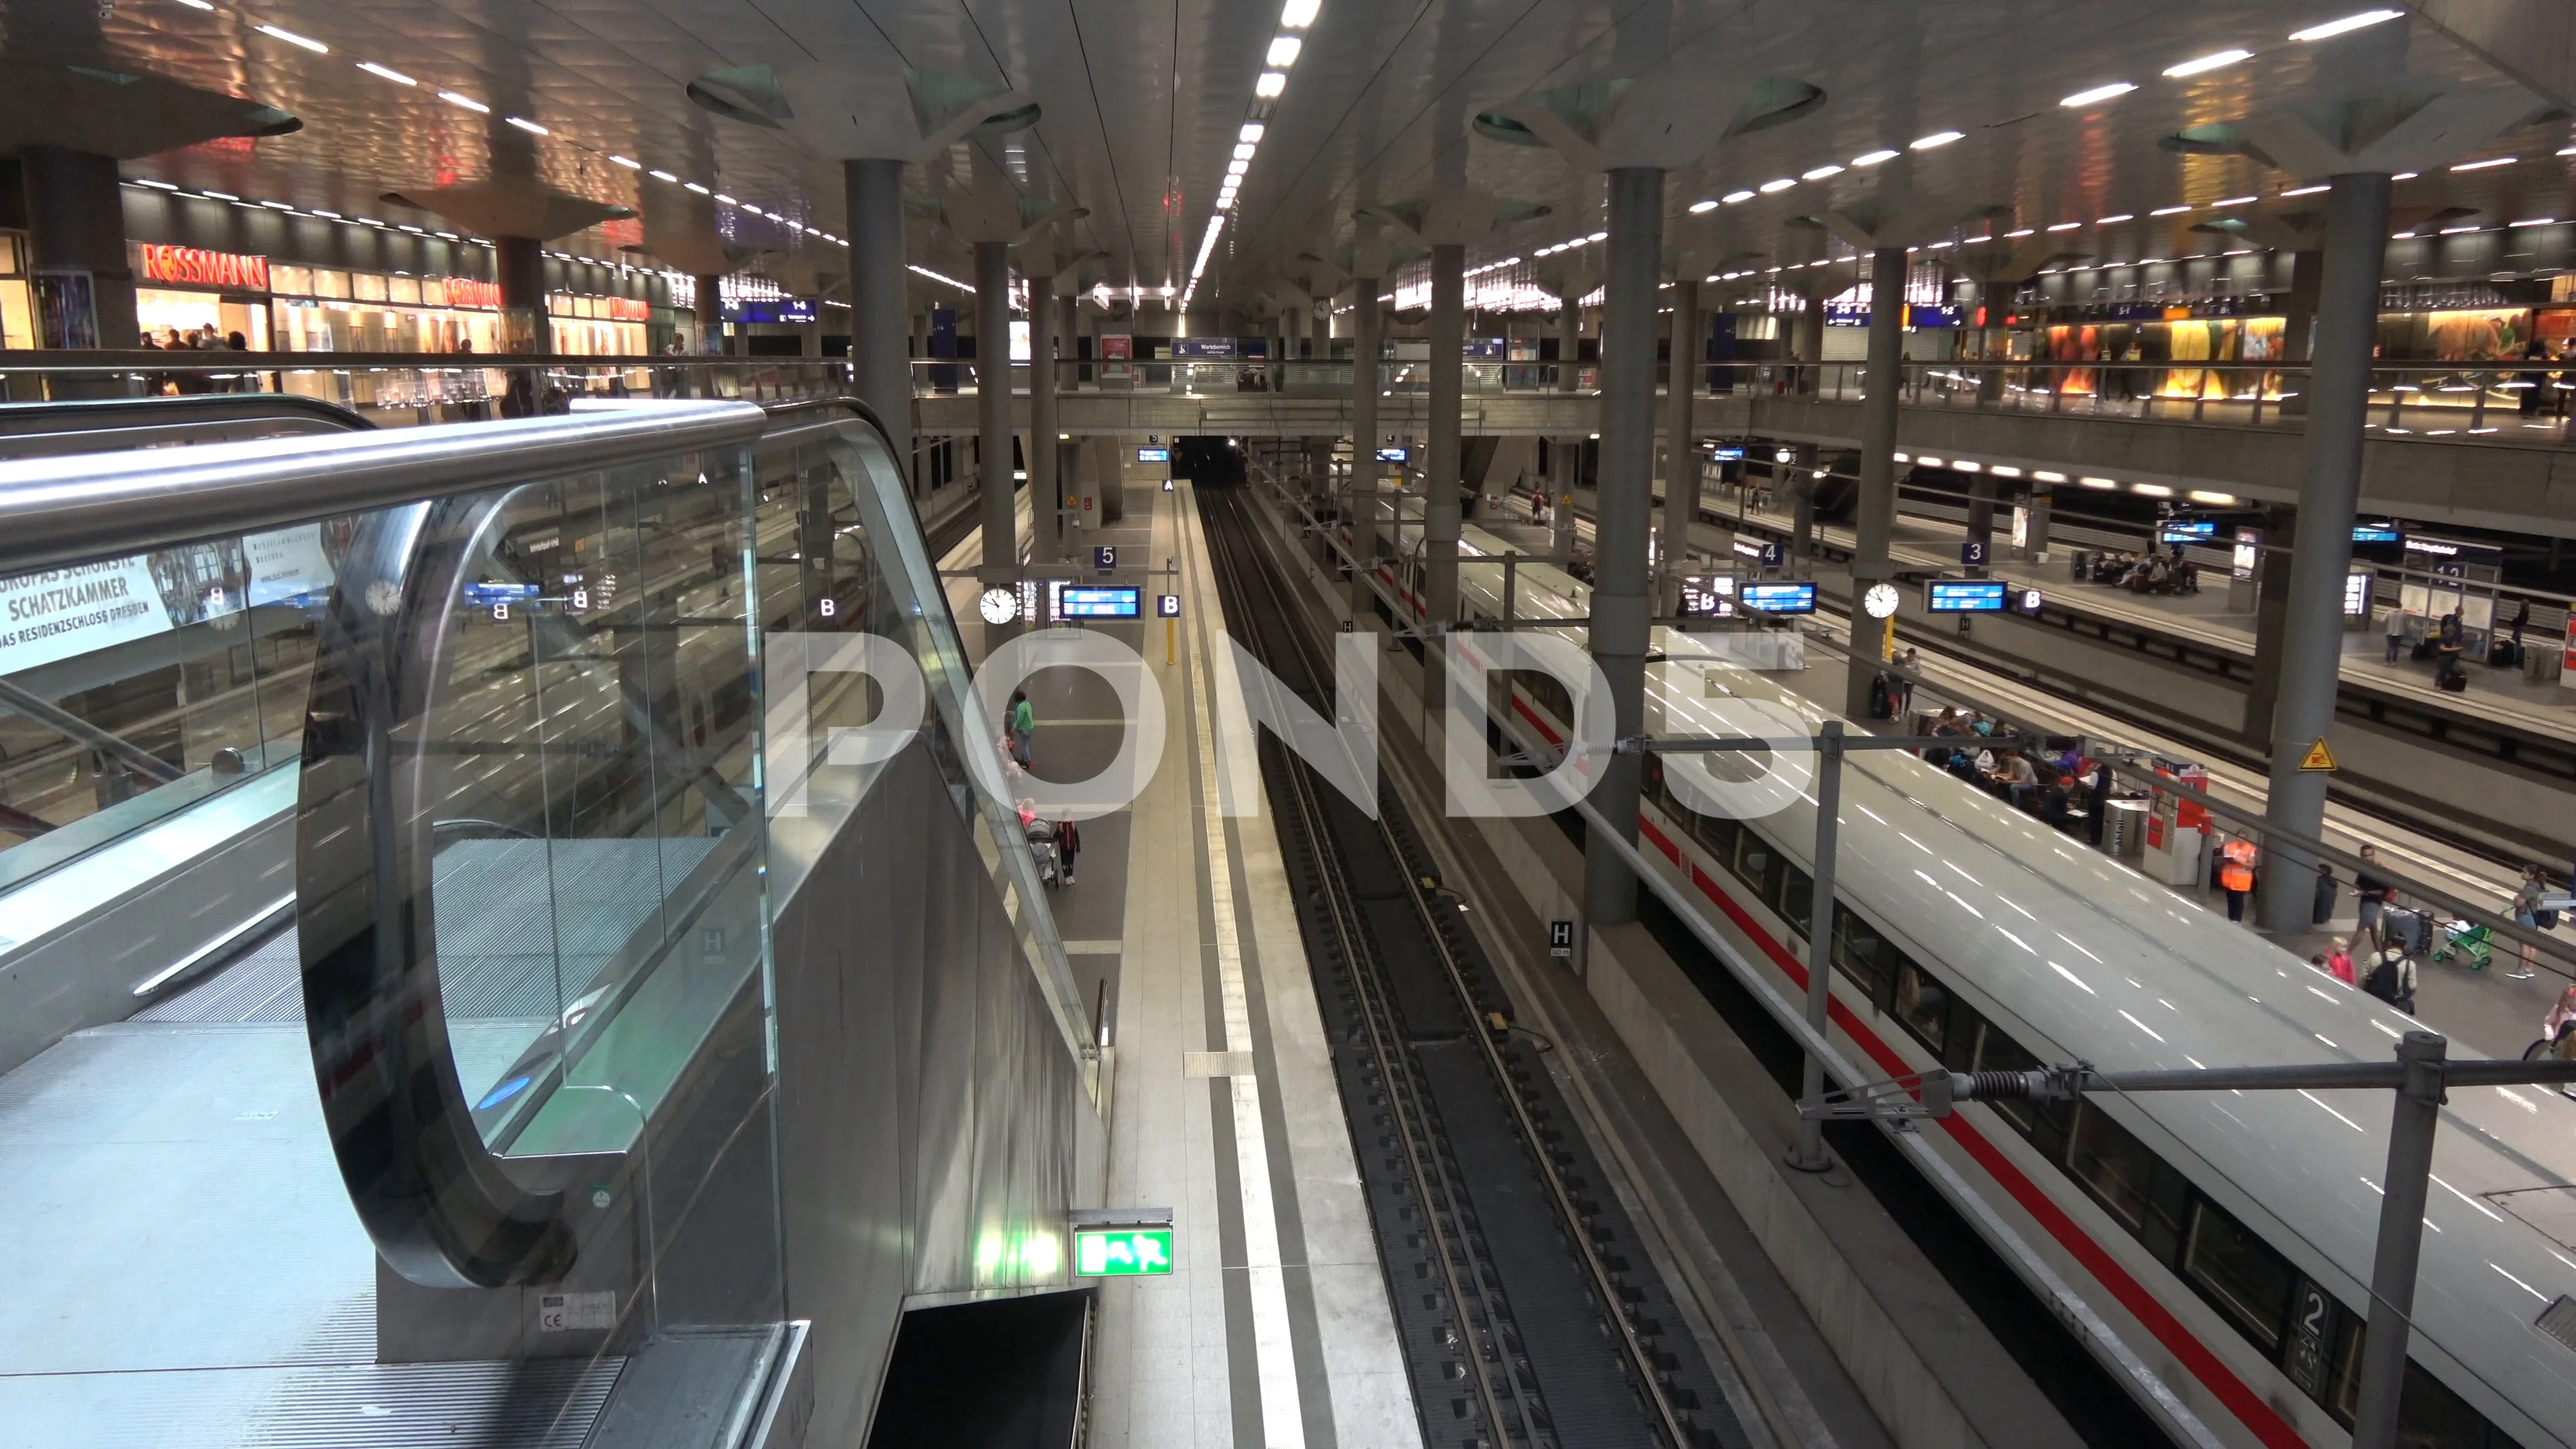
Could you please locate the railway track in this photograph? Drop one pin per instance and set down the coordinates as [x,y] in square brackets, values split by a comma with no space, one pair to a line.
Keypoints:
[1529,1310]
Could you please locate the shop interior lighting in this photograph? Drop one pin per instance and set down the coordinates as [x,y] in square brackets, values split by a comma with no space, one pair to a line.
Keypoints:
[693,186]
[2215,60]
[397,77]
[468,102]
[2346,25]
[2097,94]
[1702,206]
[2307,190]
[291,38]
[1299,14]
[1872,158]
[2236,201]
[524,124]
[2066,226]
[660,175]
[1936,139]
[1271,85]
[2115,220]
[2021,232]
[1820,173]
[2490,162]
[2150,490]
[1780,184]
[1733,197]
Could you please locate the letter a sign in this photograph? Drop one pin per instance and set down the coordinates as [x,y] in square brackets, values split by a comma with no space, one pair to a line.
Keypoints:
[2318,756]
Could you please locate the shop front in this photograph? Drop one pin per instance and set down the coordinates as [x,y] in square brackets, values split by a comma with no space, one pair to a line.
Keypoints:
[184,293]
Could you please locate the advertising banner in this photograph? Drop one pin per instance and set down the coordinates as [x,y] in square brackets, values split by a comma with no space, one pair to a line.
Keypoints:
[59,613]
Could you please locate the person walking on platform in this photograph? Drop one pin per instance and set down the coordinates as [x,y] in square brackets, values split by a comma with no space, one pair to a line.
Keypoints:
[2339,961]
[2327,891]
[2373,895]
[2526,914]
[1022,724]
[2236,874]
[1068,844]
[2396,630]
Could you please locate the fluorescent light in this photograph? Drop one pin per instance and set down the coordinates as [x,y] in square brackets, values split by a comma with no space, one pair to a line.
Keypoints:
[397,77]
[2347,24]
[1598,236]
[157,185]
[198,4]
[2405,175]
[693,186]
[2537,221]
[1872,158]
[330,215]
[1272,84]
[1300,13]
[629,162]
[1697,207]
[2005,470]
[1962,465]
[662,176]
[2114,220]
[2457,230]
[524,124]
[2022,232]
[1733,197]
[1820,173]
[1781,184]
[2042,475]
[2097,482]
[2307,190]
[2215,60]
[2220,500]
[2489,162]
[1251,131]
[2236,201]
[218,196]
[2169,211]
[1937,138]
[407,226]
[727,200]
[1283,51]
[2113,91]
[2151,490]
[1929,462]
[291,38]
[2066,226]
[369,221]
[468,102]
[277,206]
[1244,150]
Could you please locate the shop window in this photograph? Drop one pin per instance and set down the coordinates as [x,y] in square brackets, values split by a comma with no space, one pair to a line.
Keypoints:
[291,281]
[370,287]
[1921,1004]
[328,282]
[2239,1274]
[2128,1180]
[403,290]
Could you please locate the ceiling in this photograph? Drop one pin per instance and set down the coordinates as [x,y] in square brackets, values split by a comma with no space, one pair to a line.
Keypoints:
[1138,94]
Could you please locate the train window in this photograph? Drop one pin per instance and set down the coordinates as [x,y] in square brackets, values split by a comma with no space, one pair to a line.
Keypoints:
[2430,1416]
[2044,1123]
[2239,1274]
[1921,1004]
[2121,1172]
[1718,833]
[1797,898]
[1758,865]
[1965,1038]
[1864,955]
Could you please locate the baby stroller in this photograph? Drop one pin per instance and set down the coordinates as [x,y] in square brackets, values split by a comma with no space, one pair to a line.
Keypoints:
[2464,942]
[1042,847]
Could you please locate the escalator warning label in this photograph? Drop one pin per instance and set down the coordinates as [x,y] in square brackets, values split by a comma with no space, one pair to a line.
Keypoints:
[576,1312]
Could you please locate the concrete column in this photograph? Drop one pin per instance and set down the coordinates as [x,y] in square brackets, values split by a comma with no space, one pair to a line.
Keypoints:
[2299,313]
[1046,522]
[1802,507]
[1364,474]
[708,310]
[1810,345]
[1068,331]
[1681,459]
[880,357]
[2271,618]
[1981,516]
[1877,502]
[76,223]
[1440,472]
[1625,514]
[519,266]
[2035,529]
[2338,390]
[1567,459]
[993,418]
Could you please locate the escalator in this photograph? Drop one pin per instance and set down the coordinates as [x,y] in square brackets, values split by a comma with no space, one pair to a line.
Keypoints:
[469,983]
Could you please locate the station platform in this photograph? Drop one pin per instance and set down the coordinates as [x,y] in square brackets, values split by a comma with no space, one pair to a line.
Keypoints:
[1274,1328]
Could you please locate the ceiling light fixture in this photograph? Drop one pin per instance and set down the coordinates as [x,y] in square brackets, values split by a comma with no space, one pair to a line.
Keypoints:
[2022,232]
[727,200]
[2490,162]
[1703,205]
[2042,475]
[1283,51]
[198,4]
[1251,131]
[2066,226]
[2346,25]
[1781,184]
[156,185]
[218,196]
[2150,490]
[693,186]
[2307,190]
[661,175]
[2537,221]
[2115,220]
[2169,211]
[2097,482]
[277,206]
[327,215]
[2236,201]
[468,102]
[1937,138]
[2215,60]
[2216,500]
[1299,14]
[1733,197]
[291,38]
[1598,236]
[1820,173]
[1243,150]
[2111,92]
[2405,175]
[397,77]
[1872,158]
[629,162]
[1272,85]
[524,124]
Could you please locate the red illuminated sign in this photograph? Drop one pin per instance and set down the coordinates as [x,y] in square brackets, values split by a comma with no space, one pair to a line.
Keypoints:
[192,267]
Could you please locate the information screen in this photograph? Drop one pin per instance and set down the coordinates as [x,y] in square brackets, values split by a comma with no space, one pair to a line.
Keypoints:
[1965,596]
[2377,533]
[1153,455]
[1391,455]
[2186,530]
[1780,598]
[1726,453]
[1093,602]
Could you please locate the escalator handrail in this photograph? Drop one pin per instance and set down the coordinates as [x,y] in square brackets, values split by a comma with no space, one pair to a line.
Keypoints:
[59,511]
[86,415]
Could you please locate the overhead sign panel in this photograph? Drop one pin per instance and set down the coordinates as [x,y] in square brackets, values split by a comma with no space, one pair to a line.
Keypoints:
[1780,598]
[1966,596]
[1087,602]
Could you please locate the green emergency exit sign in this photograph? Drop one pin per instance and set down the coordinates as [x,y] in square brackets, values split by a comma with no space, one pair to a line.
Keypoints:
[1118,1252]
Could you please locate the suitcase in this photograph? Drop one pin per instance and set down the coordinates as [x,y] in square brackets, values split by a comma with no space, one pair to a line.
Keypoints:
[2412,930]
[2454,684]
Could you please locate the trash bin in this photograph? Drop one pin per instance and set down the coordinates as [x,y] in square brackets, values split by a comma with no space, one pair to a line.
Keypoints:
[2124,827]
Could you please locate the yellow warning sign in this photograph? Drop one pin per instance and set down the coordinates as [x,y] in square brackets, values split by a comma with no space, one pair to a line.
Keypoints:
[2318,756]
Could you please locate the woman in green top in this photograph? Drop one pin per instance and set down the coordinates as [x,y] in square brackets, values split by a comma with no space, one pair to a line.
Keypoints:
[1024,721]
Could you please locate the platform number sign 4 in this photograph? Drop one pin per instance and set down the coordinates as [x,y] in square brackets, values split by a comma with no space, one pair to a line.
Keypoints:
[1560,938]
[1105,557]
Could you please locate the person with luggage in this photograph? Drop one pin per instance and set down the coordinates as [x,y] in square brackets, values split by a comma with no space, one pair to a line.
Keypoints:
[2374,896]
[2392,978]
[2236,874]
[2452,638]
[2526,914]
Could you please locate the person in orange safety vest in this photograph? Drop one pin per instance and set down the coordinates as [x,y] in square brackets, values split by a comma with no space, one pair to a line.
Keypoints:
[2236,874]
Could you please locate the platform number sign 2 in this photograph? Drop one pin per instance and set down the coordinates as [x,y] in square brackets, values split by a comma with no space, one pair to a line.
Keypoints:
[1560,938]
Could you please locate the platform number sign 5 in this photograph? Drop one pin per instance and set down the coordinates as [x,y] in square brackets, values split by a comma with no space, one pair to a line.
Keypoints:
[1105,557]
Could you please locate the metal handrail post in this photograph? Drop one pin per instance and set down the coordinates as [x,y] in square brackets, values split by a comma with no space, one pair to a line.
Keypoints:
[2401,1240]
[1810,1155]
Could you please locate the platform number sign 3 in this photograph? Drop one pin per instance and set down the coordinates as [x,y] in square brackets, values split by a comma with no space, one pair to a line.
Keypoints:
[1972,553]
[1560,938]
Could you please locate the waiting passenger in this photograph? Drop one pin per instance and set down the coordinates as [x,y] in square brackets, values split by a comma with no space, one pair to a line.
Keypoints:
[2375,895]
[2327,891]
[2526,914]
[2339,961]
[2019,779]
[2397,617]
[2392,978]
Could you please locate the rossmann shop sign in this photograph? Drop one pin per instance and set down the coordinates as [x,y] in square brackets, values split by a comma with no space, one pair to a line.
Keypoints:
[196,267]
